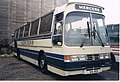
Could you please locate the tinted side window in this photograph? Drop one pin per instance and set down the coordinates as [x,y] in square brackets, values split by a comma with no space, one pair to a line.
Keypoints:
[26,30]
[109,28]
[16,34]
[116,28]
[34,27]
[46,23]
[21,32]
[59,17]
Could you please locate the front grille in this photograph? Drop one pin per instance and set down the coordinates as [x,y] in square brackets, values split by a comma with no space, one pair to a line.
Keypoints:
[93,57]
[89,57]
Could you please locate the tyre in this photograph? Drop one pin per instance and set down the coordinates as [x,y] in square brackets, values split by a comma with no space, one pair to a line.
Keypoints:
[18,54]
[43,64]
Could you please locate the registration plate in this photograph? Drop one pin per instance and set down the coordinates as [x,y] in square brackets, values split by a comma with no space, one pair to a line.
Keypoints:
[92,71]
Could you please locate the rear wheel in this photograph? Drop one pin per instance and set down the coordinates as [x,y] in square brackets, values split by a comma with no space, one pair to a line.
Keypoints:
[43,64]
[18,54]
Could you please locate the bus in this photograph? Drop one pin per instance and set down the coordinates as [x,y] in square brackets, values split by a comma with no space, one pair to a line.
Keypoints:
[69,40]
[113,32]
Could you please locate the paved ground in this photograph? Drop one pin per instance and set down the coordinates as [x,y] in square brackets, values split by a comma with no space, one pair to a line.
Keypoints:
[13,69]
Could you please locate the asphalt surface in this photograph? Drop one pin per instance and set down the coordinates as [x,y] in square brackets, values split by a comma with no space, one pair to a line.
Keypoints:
[13,69]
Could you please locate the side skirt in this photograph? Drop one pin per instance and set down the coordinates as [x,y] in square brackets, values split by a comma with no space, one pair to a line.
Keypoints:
[35,62]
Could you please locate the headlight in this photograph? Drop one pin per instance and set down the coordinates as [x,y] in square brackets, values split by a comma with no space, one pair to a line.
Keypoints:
[107,56]
[82,57]
[101,56]
[104,56]
[74,58]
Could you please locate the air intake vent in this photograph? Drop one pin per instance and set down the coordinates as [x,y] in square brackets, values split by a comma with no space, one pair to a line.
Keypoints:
[93,57]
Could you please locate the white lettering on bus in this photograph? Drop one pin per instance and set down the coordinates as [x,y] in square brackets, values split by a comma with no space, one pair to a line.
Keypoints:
[28,42]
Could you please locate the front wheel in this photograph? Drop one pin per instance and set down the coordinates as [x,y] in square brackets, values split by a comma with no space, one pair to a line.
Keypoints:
[43,64]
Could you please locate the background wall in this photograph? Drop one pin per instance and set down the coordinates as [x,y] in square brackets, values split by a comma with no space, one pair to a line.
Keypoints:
[15,13]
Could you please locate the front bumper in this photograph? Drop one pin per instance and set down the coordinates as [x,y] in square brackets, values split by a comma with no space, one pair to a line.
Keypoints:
[83,67]
[86,71]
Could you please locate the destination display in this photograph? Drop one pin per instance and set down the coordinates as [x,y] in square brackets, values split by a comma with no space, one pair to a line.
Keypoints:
[88,8]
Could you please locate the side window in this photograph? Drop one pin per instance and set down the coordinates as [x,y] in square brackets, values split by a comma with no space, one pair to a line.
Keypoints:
[109,28]
[34,27]
[15,33]
[18,33]
[21,32]
[116,28]
[46,22]
[58,29]
[27,26]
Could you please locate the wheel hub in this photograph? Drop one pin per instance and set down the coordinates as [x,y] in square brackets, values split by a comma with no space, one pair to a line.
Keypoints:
[42,63]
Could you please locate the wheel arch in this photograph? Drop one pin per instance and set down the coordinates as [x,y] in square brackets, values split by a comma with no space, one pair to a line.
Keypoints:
[41,53]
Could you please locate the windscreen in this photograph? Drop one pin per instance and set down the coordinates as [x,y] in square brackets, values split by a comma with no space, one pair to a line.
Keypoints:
[82,28]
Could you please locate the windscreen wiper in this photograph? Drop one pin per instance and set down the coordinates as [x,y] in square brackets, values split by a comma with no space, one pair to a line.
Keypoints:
[88,29]
[94,32]
[100,39]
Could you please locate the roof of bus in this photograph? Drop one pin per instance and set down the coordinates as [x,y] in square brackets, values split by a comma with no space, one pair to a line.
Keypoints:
[62,8]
